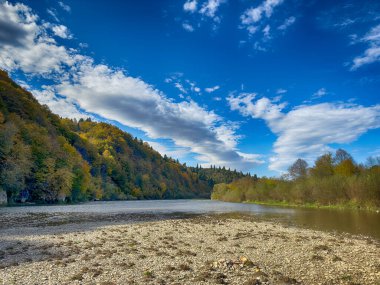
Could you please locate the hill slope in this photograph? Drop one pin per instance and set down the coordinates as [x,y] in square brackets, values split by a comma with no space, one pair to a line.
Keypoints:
[44,158]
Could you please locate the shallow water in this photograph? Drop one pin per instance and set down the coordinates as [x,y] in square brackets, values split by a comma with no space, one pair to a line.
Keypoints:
[350,221]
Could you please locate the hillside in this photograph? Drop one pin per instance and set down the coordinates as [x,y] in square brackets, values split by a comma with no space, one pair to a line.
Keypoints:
[44,158]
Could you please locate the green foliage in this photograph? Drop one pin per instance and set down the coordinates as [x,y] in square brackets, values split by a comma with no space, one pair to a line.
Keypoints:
[332,180]
[323,166]
[44,158]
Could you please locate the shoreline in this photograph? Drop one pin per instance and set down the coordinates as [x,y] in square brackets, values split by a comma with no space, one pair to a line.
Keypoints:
[348,206]
[343,206]
[169,249]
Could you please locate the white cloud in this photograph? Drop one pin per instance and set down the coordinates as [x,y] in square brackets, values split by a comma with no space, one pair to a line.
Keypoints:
[188,27]
[256,19]
[210,8]
[184,85]
[307,131]
[83,45]
[288,22]
[212,89]
[193,86]
[263,108]
[53,13]
[372,53]
[174,152]
[252,29]
[180,87]
[26,45]
[254,15]
[64,6]
[61,31]
[319,93]
[63,106]
[281,91]
[207,10]
[266,31]
[373,35]
[190,6]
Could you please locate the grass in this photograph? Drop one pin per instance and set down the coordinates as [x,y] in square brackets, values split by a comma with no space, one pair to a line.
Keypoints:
[149,274]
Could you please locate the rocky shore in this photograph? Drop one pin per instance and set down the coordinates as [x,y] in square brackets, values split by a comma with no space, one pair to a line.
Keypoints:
[150,249]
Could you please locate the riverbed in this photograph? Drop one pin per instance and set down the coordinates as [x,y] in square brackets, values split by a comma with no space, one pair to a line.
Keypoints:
[178,242]
[358,222]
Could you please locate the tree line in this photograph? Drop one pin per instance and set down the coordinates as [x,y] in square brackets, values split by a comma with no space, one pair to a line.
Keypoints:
[334,179]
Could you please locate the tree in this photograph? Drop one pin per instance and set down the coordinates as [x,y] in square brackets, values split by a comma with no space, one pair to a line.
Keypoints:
[298,169]
[60,183]
[15,161]
[323,166]
[344,163]
[341,155]
[345,168]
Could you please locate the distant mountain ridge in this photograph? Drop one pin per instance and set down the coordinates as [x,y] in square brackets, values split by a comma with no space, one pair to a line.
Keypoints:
[44,158]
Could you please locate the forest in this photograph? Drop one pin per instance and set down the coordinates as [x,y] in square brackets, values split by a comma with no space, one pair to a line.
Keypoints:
[334,180]
[48,159]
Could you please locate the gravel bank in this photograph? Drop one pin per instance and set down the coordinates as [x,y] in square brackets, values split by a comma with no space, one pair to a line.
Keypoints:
[191,250]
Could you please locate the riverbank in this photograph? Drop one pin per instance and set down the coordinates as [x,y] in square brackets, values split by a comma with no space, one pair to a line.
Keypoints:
[342,206]
[169,249]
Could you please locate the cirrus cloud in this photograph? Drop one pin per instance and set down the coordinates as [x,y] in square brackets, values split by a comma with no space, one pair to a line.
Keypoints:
[372,53]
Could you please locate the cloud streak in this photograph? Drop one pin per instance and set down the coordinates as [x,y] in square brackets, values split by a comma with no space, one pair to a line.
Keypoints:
[212,89]
[287,23]
[372,53]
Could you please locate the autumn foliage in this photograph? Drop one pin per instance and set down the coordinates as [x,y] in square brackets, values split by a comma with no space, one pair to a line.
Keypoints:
[332,180]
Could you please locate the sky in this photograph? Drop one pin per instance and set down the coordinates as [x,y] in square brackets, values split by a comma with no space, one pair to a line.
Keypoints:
[250,85]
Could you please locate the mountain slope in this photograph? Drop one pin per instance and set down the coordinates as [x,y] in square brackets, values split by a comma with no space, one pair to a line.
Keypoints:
[44,158]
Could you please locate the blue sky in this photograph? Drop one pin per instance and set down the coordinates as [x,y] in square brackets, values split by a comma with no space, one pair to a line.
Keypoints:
[252,85]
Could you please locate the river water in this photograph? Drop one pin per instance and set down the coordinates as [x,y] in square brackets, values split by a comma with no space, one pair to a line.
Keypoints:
[349,221]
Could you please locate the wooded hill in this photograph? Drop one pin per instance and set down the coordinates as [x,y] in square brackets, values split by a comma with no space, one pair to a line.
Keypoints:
[44,158]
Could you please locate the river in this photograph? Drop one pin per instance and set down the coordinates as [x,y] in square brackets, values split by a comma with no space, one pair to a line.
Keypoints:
[350,221]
